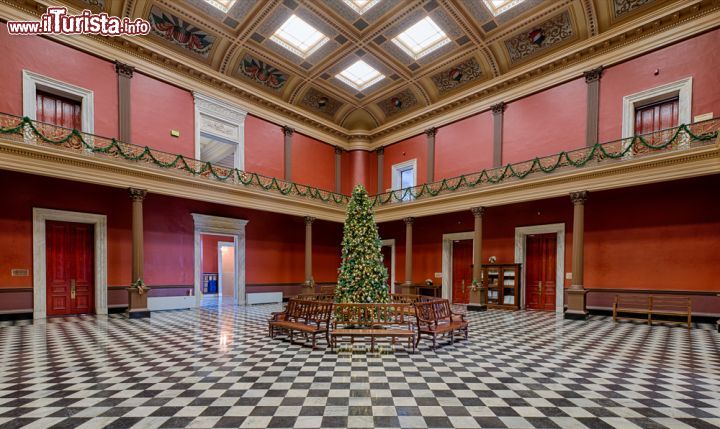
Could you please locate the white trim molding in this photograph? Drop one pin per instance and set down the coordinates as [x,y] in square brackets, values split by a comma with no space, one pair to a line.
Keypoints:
[220,119]
[521,234]
[40,216]
[32,82]
[681,89]
[216,225]
[447,261]
[391,244]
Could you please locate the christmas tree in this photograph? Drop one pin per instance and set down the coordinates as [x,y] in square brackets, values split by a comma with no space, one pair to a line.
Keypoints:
[362,275]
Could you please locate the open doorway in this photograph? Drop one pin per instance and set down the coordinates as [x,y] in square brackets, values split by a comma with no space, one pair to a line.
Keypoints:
[217,259]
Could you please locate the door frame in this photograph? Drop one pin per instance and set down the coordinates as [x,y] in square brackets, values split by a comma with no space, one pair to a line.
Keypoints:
[206,224]
[447,255]
[40,216]
[521,234]
[391,244]
[220,245]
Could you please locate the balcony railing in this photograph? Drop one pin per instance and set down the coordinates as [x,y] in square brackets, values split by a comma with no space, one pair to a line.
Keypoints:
[684,137]
[675,139]
[24,130]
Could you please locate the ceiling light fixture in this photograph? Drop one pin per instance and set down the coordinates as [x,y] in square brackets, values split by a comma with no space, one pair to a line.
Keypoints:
[422,38]
[299,37]
[360,75]
[361,6]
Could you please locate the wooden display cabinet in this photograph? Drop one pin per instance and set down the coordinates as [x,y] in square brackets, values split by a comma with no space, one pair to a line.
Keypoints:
[502,285]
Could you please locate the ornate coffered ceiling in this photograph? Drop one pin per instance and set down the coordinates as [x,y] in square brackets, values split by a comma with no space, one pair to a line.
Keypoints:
[232,44]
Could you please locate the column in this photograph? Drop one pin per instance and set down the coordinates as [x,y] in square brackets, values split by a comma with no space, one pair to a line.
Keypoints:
[137,293]
[408,284]
[380,170]
[309,281]
[478,298]
[592,78]
[576,308]
[498,112]
[125,73]
[288,132]
[338,169]
[430,133]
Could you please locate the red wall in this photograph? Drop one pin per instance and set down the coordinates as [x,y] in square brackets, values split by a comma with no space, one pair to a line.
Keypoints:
[414,147]
[264,147]
[359,167]
[157,108]
[691,57]
[464,147]
[661,236]
[59,62]
[210,251]
[545,123]
[313,162]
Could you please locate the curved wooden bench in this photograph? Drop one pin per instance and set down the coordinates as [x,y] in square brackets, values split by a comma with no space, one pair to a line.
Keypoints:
[372,321]
[437,318]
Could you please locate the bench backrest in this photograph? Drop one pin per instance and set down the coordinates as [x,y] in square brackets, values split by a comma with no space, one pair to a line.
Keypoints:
[670,303]
[370,314]
[403,298]
[305,311]
[632,301]
[433,312]
[316,296]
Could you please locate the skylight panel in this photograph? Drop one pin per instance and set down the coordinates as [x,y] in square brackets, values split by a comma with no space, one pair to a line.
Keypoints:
[360,75]
[361,6]
[497,7]
[422,38]
[299,37]
[223,5]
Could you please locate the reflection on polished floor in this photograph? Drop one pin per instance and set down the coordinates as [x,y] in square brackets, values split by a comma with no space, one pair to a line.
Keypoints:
[216,367]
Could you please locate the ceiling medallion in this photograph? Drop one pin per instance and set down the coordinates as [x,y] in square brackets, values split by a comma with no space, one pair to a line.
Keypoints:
[455,74]
[180,33]
[322,102]
[537,36]
[263,73]
[396,102]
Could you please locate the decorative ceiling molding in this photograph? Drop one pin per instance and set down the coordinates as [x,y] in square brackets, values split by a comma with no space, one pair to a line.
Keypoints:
[645,26]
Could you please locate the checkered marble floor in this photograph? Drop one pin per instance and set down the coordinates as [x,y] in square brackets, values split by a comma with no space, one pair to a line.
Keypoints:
[216,368]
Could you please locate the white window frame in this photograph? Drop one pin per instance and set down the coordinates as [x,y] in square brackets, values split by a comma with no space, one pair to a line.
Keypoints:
[402,166]
[223,120]
[32,82]
[681,89]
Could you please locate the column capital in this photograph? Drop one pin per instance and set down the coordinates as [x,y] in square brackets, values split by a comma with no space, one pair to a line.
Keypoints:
[579,197]
[380,150]
[287,130]
[137,195]
[478,211]
[124,70]
[338,150]
[409,220]
[498,108]
[593,75]
[309,220]
[431,132]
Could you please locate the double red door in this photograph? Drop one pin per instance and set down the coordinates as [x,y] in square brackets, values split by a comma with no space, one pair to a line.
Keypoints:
[70,262]
[541,259]
[461,271]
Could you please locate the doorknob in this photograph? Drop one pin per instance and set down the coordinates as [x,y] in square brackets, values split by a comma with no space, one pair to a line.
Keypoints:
[73,289]
[462,286]
[540,288]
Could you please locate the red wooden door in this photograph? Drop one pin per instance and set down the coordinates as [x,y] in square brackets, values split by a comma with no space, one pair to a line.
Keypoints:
[656,116]
[57,110]
[462,271]
[70,266]
[540,274]
[387,261]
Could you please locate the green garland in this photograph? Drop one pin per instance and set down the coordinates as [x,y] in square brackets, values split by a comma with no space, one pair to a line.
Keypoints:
[503,173]
[597,151]
[181,162]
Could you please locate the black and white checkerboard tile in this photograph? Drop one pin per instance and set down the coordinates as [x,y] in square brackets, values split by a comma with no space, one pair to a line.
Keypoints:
[216,368]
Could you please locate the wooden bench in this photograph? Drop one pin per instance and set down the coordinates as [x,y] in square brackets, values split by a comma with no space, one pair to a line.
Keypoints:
[649,305]
[410,300]
[372,321]
[437,318]
[306,317]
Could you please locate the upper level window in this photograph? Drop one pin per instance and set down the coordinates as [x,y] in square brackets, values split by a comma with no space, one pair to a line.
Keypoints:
[422,38]
[404,175]
[219,132]
[57,110]
[299,37]
[656,116]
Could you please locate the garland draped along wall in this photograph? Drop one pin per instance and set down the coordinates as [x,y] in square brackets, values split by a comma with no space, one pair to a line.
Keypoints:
[681,137]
